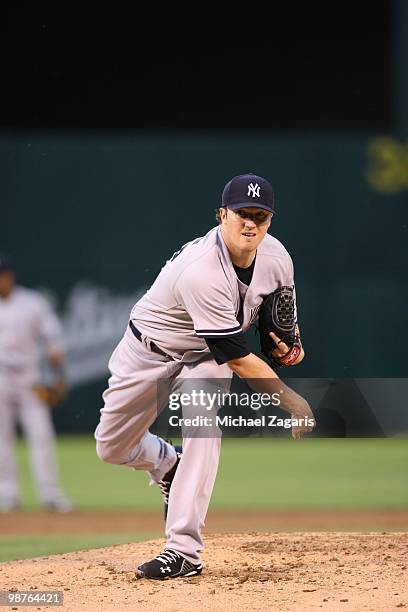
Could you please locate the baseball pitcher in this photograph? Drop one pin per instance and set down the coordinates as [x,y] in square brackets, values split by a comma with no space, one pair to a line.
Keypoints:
[190,326]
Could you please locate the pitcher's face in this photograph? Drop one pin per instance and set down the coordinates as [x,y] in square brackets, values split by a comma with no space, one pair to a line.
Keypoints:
[245,228]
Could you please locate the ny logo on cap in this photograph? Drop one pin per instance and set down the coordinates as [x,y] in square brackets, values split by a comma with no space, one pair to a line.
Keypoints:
[253,190]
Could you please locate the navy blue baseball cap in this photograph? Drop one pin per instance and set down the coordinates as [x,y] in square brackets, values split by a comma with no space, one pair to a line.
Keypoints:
[249,191]
[6,263]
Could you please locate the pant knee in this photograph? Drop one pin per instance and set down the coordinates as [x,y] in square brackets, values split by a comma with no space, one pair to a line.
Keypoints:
[107,453]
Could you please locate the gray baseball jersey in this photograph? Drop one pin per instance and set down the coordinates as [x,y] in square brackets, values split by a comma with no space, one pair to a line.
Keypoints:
[197,294]
[26,321]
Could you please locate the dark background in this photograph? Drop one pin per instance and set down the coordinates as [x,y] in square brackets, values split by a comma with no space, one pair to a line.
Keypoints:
[289,67]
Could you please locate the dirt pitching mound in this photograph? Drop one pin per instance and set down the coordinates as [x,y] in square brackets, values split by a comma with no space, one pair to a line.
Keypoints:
[248,571]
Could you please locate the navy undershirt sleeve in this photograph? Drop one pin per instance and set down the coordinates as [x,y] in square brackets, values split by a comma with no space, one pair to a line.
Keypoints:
[224,349]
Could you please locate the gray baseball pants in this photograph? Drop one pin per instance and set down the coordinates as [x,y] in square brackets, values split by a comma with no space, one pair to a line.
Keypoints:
[132,402]
[19,403]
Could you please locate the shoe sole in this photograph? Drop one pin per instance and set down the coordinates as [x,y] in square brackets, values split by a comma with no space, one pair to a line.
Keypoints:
[195,572]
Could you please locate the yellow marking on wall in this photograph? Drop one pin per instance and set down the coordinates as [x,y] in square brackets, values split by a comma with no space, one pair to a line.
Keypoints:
[388,165]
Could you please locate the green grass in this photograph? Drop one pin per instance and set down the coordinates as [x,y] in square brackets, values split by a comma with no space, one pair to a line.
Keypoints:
[254,473]
[315,473]
[27,547]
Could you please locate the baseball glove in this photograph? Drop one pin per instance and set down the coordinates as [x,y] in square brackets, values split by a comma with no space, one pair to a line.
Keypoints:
[52,394]
[278,314]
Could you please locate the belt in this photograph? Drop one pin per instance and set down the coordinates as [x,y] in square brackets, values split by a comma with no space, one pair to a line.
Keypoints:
[138,335]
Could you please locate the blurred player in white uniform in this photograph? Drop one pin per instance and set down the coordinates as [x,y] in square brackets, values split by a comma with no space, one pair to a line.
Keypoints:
[27,324]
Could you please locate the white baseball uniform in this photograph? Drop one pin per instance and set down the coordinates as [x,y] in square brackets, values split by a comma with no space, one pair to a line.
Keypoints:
[196,297]
[26,323]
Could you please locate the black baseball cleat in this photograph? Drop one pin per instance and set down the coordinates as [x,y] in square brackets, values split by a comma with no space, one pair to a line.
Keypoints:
[169,564]
[165,482]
